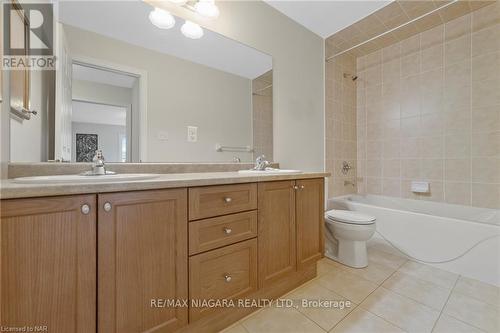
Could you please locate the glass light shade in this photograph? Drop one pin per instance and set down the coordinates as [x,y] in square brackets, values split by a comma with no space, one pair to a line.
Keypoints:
[161,18]
[207,8]
[178,2]
[191,30]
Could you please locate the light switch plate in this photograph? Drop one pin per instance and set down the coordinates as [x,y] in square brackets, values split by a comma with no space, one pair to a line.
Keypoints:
[162,135]
[192,134]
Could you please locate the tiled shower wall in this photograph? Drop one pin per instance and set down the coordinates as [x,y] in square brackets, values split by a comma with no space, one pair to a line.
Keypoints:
[428,108]
[340,121]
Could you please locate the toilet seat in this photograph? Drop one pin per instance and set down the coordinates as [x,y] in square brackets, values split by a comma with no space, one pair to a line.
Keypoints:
[349,217]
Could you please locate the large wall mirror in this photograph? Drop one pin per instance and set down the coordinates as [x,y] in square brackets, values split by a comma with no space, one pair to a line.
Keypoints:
[141,93]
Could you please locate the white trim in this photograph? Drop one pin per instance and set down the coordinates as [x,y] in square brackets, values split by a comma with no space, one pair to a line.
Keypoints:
[142,76]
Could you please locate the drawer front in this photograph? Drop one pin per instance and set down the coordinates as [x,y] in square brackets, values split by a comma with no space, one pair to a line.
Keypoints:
[226,273]
[210,201]
[216,232]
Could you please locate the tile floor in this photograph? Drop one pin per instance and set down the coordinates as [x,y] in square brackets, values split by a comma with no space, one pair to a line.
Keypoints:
[393,294]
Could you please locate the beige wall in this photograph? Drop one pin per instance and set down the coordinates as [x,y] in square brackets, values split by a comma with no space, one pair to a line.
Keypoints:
[180,94]
[262,123]
[298,77]
[429,109]
[340,119]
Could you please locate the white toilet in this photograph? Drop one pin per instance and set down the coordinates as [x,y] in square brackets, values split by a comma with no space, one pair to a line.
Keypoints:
[350,231]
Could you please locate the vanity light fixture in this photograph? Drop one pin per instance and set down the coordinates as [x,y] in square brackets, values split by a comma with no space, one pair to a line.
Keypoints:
[191,30]
[161,18]
[207,8]
[178,2]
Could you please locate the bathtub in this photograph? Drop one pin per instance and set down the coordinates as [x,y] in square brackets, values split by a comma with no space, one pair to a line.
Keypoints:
[435,232]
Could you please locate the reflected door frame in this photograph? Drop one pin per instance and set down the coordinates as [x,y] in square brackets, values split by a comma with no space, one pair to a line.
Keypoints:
[139,127]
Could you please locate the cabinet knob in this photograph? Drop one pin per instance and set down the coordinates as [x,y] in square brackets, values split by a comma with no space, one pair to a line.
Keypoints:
[227,230]
[228,200]
[107,207]
[302,187]
[295,187]
[85,209]
[227,278]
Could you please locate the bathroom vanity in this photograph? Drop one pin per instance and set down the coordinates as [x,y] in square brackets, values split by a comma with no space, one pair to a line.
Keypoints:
[143,255]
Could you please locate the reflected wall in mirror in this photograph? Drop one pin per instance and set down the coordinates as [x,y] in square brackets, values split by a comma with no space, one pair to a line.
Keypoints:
[141,93]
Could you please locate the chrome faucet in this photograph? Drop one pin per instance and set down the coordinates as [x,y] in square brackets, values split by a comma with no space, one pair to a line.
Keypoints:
[98,165]
[261,163]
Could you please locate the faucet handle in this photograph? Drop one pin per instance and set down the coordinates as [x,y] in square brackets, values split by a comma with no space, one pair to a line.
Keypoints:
[260,158]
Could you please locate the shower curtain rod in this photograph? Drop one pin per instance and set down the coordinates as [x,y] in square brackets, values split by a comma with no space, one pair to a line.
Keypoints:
[389,31]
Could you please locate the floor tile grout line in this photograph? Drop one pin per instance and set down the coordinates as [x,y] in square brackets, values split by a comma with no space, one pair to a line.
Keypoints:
[460,320]
[445,303]
[416,278]
[380,286]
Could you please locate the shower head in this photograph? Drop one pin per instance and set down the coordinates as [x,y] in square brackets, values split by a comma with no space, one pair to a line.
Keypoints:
[350,76]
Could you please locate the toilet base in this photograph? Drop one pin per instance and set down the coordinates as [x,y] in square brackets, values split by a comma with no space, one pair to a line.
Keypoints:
[352,253]
[345,262]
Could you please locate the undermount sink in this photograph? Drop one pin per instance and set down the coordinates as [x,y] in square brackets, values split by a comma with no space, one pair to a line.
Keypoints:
[61,179]
[269,171]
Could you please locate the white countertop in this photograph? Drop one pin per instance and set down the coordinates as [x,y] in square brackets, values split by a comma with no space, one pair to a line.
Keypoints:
[10,189]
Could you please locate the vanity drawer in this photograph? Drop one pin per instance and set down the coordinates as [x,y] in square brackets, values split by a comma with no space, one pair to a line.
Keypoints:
[216,232]
[226,273]
[210,201]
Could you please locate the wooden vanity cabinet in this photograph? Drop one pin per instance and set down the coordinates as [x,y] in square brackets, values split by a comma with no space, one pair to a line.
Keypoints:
[309,210]
[142,255]
[107,262]
[277,232]
[48,267]
[290,227]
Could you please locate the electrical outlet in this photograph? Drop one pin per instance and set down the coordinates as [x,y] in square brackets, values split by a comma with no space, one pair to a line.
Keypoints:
[192,135]
[162,136]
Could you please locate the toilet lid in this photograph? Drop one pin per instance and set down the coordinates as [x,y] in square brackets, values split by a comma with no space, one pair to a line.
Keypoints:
[347,216]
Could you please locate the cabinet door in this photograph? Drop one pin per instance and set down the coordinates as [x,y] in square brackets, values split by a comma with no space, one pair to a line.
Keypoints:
[309,210]
[48,257]
[142,256]
[276,225]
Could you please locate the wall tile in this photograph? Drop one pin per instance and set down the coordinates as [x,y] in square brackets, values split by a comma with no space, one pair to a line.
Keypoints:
[486,170]
[391,168]
[410,148]
[486,17]
[457,146]
[410,64]
[485,93]
[486,67]
[432,147]
[485,144]
[431,58]
[437,192]
[391,187]
[486,119]
[457,193]
[432,169]
[374,185]
[486,40]
[432,37]
[457,50]
[486,195]
[457,169]
[458,27]
[410,169]
[428,108]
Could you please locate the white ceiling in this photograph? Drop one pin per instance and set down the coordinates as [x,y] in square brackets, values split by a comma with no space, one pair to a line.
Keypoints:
[128,21]
[86,73]
[84,112]
[327,17]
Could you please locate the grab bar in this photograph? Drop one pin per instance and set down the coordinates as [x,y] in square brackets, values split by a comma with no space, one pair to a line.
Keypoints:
[221,148]
[23,113]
